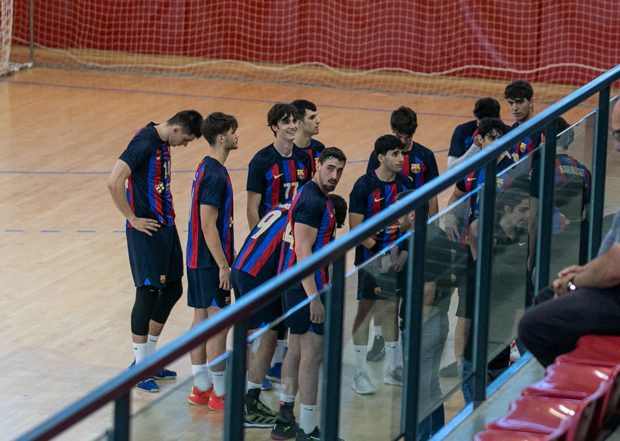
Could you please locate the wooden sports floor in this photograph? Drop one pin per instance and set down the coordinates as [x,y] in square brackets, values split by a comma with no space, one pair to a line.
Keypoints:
[66,289]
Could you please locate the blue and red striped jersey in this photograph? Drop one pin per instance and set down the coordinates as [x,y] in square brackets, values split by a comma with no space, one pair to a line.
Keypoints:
[212,187]
[476,178]
[148,186]
[369,196]
[419,164]
[260,253]
[277,178]
[525,146]
[313,208]
[313,151]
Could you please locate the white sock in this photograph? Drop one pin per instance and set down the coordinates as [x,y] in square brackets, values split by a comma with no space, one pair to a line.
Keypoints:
[219,382]
[249,385]
[286,398]
[307,417]
[201,376]
[360,357]
[278,354]
[378,331]
[139,352]
[391,354]
[399,356]
[151,344]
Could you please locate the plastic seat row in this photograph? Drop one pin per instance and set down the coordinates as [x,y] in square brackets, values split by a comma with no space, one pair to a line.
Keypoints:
[579,392]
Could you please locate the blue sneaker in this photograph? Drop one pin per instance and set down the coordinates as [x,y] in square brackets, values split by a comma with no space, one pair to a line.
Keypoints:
[148,385]
[165,375]
[266,385]
[275,372]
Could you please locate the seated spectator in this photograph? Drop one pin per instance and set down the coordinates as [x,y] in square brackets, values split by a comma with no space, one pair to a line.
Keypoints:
[582,299]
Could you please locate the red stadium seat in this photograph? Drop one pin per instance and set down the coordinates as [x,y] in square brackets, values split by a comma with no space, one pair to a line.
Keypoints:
[543,415]
[599,350]
[504,435]
[590,384]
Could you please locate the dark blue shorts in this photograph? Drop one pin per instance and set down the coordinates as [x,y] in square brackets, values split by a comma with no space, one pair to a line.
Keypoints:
[157,259]
[299,323]
[373,285]
[203,288]
[243,283]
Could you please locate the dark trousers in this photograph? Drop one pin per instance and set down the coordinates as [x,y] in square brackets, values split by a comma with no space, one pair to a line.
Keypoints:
[553,326]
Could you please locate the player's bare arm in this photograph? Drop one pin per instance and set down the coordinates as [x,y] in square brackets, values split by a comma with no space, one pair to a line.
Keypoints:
[305,237]
[116,185]
[252,209]
[208,223]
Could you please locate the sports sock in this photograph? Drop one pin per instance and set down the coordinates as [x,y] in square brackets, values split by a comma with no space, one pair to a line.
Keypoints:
[139,352]
[307,417]
[286,398]
[391,354]
[249,385]
[201,377]
[219,382]
[360,357]
[378,331]
[151,344]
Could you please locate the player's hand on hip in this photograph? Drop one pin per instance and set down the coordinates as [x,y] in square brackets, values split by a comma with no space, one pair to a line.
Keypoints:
[225,278]
[451,226]
[144,224]
[317,311]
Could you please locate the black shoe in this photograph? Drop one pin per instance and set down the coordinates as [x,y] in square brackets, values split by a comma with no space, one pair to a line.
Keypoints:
[450,370]
[285,426]
[377,352]
[314,436]
[256,413]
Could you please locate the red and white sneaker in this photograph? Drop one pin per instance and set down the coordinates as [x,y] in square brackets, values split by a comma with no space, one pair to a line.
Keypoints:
[200,397]
[217,403]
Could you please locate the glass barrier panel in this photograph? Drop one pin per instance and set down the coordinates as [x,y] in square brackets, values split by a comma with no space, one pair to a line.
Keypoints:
[372,359]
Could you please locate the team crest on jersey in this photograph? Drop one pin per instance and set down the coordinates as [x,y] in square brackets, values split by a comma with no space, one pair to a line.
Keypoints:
[522,147]
[416,168]
[377,290]
[301,174]
[162,278]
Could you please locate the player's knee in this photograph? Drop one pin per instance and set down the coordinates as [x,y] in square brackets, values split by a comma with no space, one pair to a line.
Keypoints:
[168,297]
[146,297]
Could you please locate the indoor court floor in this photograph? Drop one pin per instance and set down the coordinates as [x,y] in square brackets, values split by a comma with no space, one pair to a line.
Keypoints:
[66,285]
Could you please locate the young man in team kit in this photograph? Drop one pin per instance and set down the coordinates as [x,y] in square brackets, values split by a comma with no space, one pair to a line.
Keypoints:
[311,225]
[309,122]
[155,254]
[256,263]
[373,192]
[209,255]
[275,174]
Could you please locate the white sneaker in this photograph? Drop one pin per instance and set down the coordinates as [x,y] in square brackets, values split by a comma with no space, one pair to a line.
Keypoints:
[362,384]
[394,376]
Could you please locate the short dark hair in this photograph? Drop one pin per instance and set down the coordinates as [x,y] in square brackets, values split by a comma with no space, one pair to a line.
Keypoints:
[303,106]
[487,125]
[217,123]
[519,89]
[340,209]
[385,143]
[280,111]
[189,121]
[404,120]
[332,152]
[487,107]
